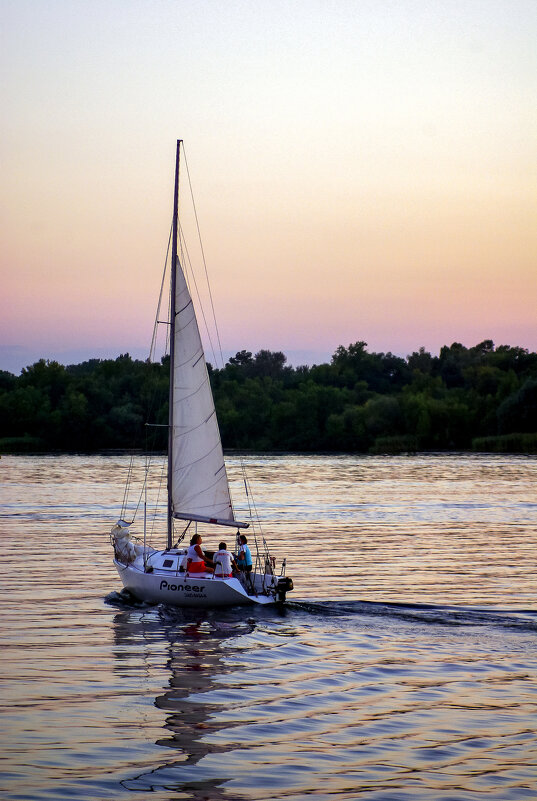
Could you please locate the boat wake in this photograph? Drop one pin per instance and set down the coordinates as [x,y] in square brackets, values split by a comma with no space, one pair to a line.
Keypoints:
[422,614]
[426,614]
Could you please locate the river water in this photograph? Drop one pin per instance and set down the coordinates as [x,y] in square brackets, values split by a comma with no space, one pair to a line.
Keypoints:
[403,666]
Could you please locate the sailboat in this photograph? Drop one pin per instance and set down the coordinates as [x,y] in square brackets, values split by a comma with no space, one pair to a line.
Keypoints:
[197,482]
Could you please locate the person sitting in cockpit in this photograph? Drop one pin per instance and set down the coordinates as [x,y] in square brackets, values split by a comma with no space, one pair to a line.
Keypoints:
[224,562]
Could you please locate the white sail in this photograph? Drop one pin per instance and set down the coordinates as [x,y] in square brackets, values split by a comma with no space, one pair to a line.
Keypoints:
[199,484]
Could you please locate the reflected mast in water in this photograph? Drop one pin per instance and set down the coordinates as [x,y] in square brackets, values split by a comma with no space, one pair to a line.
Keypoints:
[196,660]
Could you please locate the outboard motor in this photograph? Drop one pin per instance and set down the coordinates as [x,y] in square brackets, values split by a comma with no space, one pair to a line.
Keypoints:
[284,585]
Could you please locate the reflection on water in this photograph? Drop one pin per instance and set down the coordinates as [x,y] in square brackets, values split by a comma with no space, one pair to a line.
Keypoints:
[403,667]
[194,660]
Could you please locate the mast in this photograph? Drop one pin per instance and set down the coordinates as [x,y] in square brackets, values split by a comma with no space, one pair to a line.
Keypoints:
[173,312]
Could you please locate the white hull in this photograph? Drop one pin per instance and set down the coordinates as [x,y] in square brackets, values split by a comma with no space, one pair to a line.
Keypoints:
[195,590]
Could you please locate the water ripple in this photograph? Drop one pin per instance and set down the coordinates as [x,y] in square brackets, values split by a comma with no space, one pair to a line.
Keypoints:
[403,667]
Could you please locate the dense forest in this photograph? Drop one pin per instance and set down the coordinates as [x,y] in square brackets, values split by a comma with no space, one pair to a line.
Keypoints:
[481,398]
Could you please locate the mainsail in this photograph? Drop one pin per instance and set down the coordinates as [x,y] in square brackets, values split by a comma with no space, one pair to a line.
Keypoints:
[199,484]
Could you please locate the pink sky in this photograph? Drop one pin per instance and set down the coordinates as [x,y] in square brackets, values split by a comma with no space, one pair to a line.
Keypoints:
[361,172]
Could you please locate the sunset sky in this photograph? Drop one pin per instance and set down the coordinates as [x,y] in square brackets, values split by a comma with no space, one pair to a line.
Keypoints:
[362,171]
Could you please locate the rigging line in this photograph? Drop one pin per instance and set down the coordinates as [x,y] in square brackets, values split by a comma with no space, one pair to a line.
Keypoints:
[126,493]
[126,490]
[188,260]
[142,491]
[155,393]
[128,483]
[163,472]
[251,501]
[156,324]
[203,255]
[253,516]
[257,518]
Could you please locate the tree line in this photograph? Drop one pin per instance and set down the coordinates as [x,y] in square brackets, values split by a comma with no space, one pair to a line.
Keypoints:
[481,398]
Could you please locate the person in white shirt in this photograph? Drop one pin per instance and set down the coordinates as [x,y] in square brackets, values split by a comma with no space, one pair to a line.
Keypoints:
[197,562]
[224,562]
